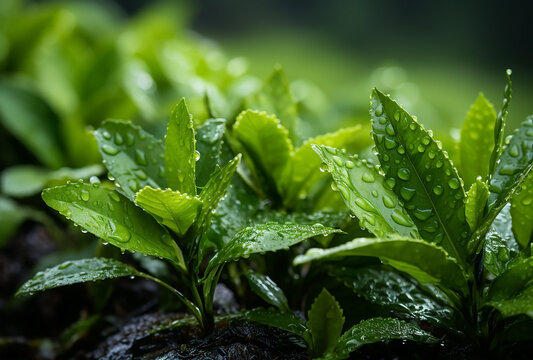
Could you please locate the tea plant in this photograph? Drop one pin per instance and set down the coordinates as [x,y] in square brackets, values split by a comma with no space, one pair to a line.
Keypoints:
[450,258]
[159,209]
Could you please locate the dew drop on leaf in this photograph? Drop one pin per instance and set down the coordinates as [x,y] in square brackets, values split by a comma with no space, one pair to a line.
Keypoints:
[85,195]
[403,173]
[454,183]
[109,150]
[437,189]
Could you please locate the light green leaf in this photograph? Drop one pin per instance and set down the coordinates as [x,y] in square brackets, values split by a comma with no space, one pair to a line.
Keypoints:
[170,208]
[376,330]
[522,212]
[366,195]
[477,140]
[476,201]
[325,323]
[267,290]
[421,174]
[180,153]
[266,237]
[113,218]
[132,156]
[424,261]
[209,138]
[75,272]
[139,85]
[285,321]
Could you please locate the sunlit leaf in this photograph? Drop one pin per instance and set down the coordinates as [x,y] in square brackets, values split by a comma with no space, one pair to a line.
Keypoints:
[522,212]
[209,138]
[476,202]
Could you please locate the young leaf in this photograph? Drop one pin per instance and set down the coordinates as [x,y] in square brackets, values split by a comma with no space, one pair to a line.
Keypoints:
[180,152]
[325,323]
[285,321]
[113,218]
[424,261]
[132,156]
[366,195]
[477,140]
[74,272]
[267,290]
[522,212]
[266,237]
[376,330]
[170,208]
[421,174]
[209,138]
[476,201]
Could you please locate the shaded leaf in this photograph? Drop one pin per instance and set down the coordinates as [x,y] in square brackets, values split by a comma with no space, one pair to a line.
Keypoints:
[499,126]
[267,290]
[522,212]
[521,303]
[511,282]
[209,138]
[476,201]
[285,321]
[325,322]
[11,217]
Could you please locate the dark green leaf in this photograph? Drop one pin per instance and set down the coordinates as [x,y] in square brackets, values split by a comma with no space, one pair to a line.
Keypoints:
[132,156]
[209,138]
[325,323]
[11,217]
[113,218]
[476,201]
[424,261]
[180,152]
[499,126]
[74,272]
[511,282]
[522,212]
[285,321]
[477,140]
[366,195]
[267,290]
[421,174]
[521,303]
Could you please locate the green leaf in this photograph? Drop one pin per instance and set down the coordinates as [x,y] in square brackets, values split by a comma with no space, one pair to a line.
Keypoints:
[499,126]
[11,217]
[285,321]
[27,180]
[376,330]
[511,282]
[266,237]
[31,120]
[476,201]
[139,85]
[477,140]
[170,208]
[75,272]
[180,153]
[366,195]
[399,293]
[266,145]
[113,218]
[132,156]
[209,138]
[421,174]
[522,212]
[267,290]
[521,303]
[424,261]
[325,323]
[501,248]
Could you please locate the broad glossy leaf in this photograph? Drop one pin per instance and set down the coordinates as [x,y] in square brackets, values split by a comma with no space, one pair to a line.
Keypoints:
[74,272]
[499,126]
[132,156]
[113,218]
[266,145]
[421,174]
[180,152]
[31,120]
[267,290]
[175,210]
[501,248]
[366,195]
[477,140]
[285,321]
[521,303]
[376,330]
[522,212]
[325,322]
[27,180]
[424,261]
[399,293]
[266,237]
[512,281]
[476,201]
[209,138]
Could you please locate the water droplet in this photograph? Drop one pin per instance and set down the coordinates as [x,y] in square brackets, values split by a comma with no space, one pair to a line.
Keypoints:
[390,182]
[412,126]
[114,196]
[527,201]
[106,135]
[85,195]
[349,164]
[400,219]
[337,160]
[363,204]
[65,265]
[407,193]
[421,148]
[431,226]
[422,214]
[94,180]
[428,177]
[437,189]
[379,110]
[438,164]
[118,139]
[389,129]
[140,157]
[109,150]
[196,155]
[513,151]
[374,193]
[133,185]
[388,201]
[140,174]
[454,183]
[368,177]
[334,186]
[404,174]
[431,154]
[390,144]
[400,150]
[397,116]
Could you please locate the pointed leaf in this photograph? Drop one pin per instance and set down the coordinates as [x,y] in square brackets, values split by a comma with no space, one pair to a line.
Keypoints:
[424,261]
[132,156]
[421,174]
[113,218]
[267,290]
[170,208]
[74,272]
[180,153]
[366,195]
[209,138]
[325,323]
[285,321]
[476,201]
[477,140]
[522,212]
